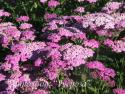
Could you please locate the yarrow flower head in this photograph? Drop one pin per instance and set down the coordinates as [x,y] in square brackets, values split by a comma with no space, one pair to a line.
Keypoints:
[95,65]
[76,55]
[117,46]
[91,43]
[119,91]
[54,37]
[102,72]
[4,13]
[97,20]
[27,35]
[91,1]
[112,7]
[8,33]
[26,50]
[43,1]
[24,26]
[23,19]
[80,9]
[49,16]
[53,3]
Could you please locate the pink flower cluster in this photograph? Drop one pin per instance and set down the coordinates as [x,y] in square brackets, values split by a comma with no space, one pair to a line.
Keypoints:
[119,91]
[8,33]
[91,43]
[80,9]
[90,1]
[51,3]
[4,13]
[111,7]
[117,45]
[102,72]
[23,19]
[76,55]
[103,20]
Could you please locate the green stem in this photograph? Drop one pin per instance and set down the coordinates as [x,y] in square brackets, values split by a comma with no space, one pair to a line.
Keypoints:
[25,9]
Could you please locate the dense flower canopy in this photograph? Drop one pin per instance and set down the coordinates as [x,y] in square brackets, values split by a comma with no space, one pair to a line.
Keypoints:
[62,47]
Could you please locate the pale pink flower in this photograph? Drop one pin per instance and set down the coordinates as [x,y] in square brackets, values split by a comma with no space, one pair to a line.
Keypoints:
[91,1]
[80,9]
[95,65]
[53,3]
[91,43]
[23,19]
[43,1]
[25,26]
[54,37]
[119,91]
